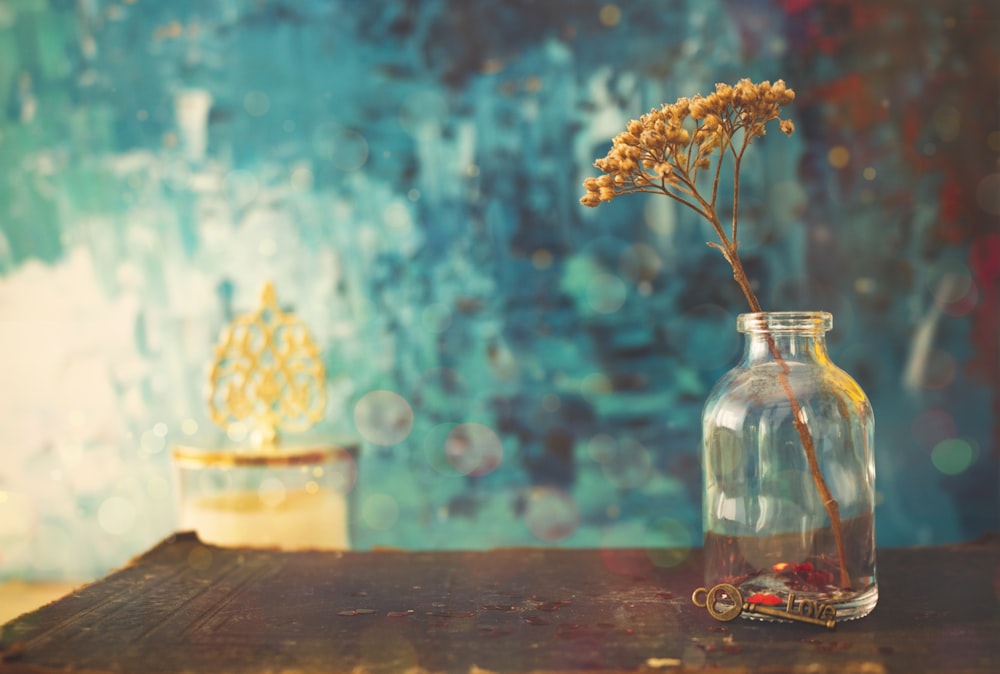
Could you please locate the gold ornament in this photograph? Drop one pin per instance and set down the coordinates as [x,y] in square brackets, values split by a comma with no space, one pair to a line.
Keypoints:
[268,374]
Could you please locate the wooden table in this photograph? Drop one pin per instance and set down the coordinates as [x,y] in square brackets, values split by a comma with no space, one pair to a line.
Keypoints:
[188,607]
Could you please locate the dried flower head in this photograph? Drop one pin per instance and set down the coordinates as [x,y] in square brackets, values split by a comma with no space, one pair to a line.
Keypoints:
[666,150]
[667,147]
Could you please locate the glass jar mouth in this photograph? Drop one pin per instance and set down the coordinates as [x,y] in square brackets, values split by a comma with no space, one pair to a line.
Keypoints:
[810,322]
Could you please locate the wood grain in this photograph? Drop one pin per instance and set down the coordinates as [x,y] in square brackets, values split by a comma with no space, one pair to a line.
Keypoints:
[188,607]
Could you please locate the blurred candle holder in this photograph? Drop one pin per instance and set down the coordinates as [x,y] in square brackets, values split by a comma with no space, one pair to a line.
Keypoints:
[297,499]
[267,378]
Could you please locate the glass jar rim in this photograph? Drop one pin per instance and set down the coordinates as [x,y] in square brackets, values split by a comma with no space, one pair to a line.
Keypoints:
[195,457]
[812,322]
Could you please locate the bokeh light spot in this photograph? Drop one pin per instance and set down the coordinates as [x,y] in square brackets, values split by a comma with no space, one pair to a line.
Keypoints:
[640,263]
[838,156]
[541,259]
[301,178]
[864,285]
[601,448]
[383,417]
[434,446]
[380,512]
[610,15]
[606,293]
[953,456]
[551,514]
[151,443]
[955,292]
[256,103]
[629,465]
[473,449]
[200,558]
[346,149]
[594,385]
[116,515]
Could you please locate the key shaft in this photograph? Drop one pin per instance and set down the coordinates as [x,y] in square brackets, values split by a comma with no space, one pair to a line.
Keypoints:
[788,615]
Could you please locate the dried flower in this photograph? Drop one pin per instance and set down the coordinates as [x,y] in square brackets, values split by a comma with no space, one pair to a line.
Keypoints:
[666,150]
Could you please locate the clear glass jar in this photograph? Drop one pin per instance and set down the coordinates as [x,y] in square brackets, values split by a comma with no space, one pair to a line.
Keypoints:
[291,499]
[789,473]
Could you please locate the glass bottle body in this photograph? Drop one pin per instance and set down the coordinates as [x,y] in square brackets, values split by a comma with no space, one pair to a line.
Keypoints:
[789,474]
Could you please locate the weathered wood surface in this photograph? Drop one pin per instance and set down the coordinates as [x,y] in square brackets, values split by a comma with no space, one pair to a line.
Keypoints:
[188,607]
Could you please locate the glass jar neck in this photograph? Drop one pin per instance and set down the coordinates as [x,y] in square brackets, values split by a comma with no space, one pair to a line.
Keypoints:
[795,336]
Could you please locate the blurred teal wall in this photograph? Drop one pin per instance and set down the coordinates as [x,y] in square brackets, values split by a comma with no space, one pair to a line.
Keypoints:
[408,174]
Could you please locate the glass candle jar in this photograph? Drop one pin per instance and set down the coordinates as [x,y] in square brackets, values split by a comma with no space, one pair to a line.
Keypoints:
[789,474]
[291,499]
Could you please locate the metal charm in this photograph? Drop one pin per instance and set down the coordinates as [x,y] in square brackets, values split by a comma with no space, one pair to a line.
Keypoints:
[807,610]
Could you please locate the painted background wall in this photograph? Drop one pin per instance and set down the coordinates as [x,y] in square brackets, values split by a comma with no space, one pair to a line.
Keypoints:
[408,173]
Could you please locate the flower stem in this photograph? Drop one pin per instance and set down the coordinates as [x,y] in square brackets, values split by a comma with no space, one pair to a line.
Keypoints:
[809,447]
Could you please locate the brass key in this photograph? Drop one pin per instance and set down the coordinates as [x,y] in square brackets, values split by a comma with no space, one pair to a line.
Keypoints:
[823,615]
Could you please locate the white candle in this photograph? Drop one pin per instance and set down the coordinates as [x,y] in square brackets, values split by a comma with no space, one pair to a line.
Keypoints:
[290,520]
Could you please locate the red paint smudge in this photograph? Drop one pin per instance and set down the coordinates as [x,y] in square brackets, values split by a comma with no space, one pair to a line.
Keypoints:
[766,599]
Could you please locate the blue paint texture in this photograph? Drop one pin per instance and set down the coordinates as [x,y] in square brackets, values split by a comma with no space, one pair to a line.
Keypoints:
[408,174]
